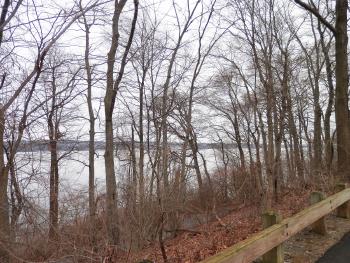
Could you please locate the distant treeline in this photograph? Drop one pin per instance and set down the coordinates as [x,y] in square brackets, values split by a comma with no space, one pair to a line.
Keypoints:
[69,145]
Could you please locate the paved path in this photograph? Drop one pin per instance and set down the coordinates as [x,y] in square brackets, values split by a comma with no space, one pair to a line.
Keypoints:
[339,253]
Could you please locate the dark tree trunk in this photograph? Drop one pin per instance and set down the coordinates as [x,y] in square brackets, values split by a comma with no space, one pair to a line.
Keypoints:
[341,89]
[4,208]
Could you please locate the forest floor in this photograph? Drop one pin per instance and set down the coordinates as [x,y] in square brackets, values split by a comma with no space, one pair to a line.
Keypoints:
[240,223]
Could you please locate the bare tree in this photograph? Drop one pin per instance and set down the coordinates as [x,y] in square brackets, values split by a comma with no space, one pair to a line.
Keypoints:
[92,118]
[43,43]
[60,90]
[112,88]
[341,76]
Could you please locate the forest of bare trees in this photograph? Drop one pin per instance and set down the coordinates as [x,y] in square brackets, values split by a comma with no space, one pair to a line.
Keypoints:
[169,110]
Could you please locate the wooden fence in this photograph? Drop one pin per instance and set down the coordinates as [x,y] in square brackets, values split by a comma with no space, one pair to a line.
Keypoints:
[267,243]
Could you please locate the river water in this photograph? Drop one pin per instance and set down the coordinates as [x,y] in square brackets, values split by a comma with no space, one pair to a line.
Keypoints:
[33,172]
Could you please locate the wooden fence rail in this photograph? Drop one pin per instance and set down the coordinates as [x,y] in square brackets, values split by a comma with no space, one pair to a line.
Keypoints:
[254,247]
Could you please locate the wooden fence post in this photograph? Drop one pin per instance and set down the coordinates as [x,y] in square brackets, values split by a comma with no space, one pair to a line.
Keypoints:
[319,226]
[343,211]
[275,255]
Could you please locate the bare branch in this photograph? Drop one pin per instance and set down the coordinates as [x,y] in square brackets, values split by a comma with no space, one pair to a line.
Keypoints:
[316,13]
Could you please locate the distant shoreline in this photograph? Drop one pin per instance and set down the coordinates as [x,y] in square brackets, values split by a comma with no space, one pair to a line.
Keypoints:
[65,145]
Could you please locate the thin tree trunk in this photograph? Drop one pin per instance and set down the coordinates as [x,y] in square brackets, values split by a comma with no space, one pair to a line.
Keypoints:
[194,148]
[294,134]
[53,136]
[92,206]
[53,209]
[328,113]
[317,160]
[142,145]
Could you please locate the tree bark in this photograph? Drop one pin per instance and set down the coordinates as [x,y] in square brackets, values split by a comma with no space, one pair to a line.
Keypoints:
[341,89]
[341,76]
[53,136]
[328,113]
[53,209]
[88,69]
[112,88]
[4,208]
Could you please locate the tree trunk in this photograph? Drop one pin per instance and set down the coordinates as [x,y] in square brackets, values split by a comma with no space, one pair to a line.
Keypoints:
[92,206]
[53,135]
[328,113]
[53,209]
[111,184]
[341,89]
[4,208]
[194,148]
[317,144]
[142,146]
[295,138]
[112,88]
